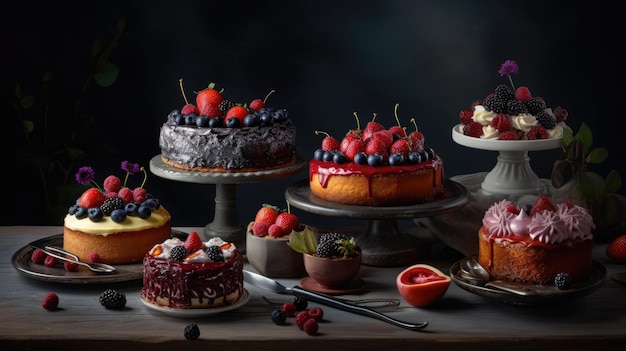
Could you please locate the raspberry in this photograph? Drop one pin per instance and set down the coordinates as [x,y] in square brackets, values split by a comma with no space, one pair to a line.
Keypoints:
[70,266]
[473,129]
[513,209]
[289,308]
[310,326]
[110,194]
[302,317]
[523,94]
[275,231]
[38,256]
[189,108]
[125,194]
[502,122]
[50,261]
[256,104]
[112,183]
[465,116]
[192,331]
[139,195]
[50,301]
[94,257]
[537,132]
[260,229]
[508,135]
[317,313]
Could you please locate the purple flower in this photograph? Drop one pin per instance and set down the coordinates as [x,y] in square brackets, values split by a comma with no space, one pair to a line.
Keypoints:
[508,68]
[131,168]
[85,175]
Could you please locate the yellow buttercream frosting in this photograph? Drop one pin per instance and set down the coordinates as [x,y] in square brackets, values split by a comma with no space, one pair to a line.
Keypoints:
[107,226]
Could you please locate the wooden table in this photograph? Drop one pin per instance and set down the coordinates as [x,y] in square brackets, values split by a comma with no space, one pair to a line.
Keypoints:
[461,321]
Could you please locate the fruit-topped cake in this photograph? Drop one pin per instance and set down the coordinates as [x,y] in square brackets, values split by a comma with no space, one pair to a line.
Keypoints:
[376,166]
[535,243]
[192,273]
[114,223]
[510,113]
[217,134]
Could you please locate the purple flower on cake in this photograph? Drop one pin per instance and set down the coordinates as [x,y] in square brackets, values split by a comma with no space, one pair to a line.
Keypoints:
[509,68]
[85,176]
[131,168]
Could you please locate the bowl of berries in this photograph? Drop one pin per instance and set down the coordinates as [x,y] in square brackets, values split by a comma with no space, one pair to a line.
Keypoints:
[267,238]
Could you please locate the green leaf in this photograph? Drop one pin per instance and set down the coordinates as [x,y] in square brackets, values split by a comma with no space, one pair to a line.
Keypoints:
[613,182]
[598,155]
[585,137]
[27,102]
[591,185]
[121,26]
[567,138]
[105,73]
[28,126]
[304,241]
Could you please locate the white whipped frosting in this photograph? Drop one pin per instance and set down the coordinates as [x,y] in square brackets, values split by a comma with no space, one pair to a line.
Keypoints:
[524,122]
[482,116]
[490,132]
[164,249]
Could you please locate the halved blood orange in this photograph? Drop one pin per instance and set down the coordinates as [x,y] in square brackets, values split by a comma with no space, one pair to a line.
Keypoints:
[422,285]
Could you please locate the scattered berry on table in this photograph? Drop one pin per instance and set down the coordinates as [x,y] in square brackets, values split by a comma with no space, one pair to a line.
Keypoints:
[113,299]
[562,281]
[50,301]
[192,331]
[310,326]
[289,308]
[70,266]
[317,313]
[279,316]
[302,317]
[301,303]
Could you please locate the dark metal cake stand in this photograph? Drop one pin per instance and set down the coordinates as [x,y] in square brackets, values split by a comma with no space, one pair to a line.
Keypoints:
[383,244]
[225,223]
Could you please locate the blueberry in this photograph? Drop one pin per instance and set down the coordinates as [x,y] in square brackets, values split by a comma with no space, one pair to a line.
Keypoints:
[118,215]
[202,121]
[151,203]
[81,212]
[280,115]
[131,209]
[396,159]
[414,158]
[328,156]
[375,160]
[340,157]
[172,116]
[360,158]
[251,120]
[318,154]
[430,152]
[424,155]
[95,214]
[180,120]
[265,119]
[190,119]
[144,212]
[72,209]
[279,316]
[215,122]
[233,122]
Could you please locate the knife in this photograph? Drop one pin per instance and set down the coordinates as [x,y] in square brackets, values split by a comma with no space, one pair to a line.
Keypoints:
[263,282]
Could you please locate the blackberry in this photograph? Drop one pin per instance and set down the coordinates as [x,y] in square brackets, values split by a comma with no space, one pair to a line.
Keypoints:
[495,104]
[502,92]
[326,249]
[332,237]
[535,105]
[178,253]
[113,299]
[192,331]
[301,303]
[546,120]
[515,107]
[215,253]
[225,105]
[110,204]
[562,281]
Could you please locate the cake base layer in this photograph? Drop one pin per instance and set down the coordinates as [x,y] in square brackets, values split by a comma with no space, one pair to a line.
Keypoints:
[115,248]
[376,186]
[192,285]
[521,261]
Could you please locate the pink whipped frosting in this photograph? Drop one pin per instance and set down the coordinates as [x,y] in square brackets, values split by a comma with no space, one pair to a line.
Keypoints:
[568,222]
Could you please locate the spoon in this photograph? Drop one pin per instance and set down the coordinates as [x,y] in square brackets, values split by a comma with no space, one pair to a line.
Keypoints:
[63,255]
[474,269]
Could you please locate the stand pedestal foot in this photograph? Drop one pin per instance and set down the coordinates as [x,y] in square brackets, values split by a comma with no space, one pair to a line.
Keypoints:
[225,224]
[383,245]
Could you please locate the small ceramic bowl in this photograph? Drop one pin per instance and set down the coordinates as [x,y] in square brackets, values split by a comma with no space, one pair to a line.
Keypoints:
[272,257]
[332,273]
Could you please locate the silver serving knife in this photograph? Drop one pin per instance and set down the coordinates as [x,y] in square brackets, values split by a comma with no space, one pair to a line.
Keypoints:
[263,282]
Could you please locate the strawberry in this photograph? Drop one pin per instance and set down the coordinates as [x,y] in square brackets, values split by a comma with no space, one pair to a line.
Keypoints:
[189,108]
[616,250]
[112,183]
[397,130]
[502,122]
[92,197]
[385,136]
[260,229]
[522,94]
[401,146]
[208,96]
[543,203]
[50,301]
[465,116]
[371,128]
[351,135]
[287,221]
[210,111]
[267,214]
[354,147]
[329,142]
[417,138]
[237,111]
[193,242]
[376,146]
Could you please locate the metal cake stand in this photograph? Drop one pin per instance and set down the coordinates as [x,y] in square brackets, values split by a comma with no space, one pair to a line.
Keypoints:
[382,244]
[225,223]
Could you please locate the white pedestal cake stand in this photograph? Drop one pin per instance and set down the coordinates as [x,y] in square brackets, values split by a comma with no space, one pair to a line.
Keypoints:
[512,174]
[382,244]
[225,223]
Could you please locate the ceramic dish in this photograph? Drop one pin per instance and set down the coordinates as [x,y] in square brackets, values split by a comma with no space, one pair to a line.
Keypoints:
[198,312]
[533,294]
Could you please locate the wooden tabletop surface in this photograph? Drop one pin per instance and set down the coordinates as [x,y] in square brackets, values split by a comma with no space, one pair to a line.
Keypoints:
[462,320]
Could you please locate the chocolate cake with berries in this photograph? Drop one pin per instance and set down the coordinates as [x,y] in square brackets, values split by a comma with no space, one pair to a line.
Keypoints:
[193,274]
[376,166]
[219,135]
[512,114]
[114,223]
[534,244]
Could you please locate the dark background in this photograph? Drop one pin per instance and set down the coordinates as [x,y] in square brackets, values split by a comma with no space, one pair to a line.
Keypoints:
[326,60]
